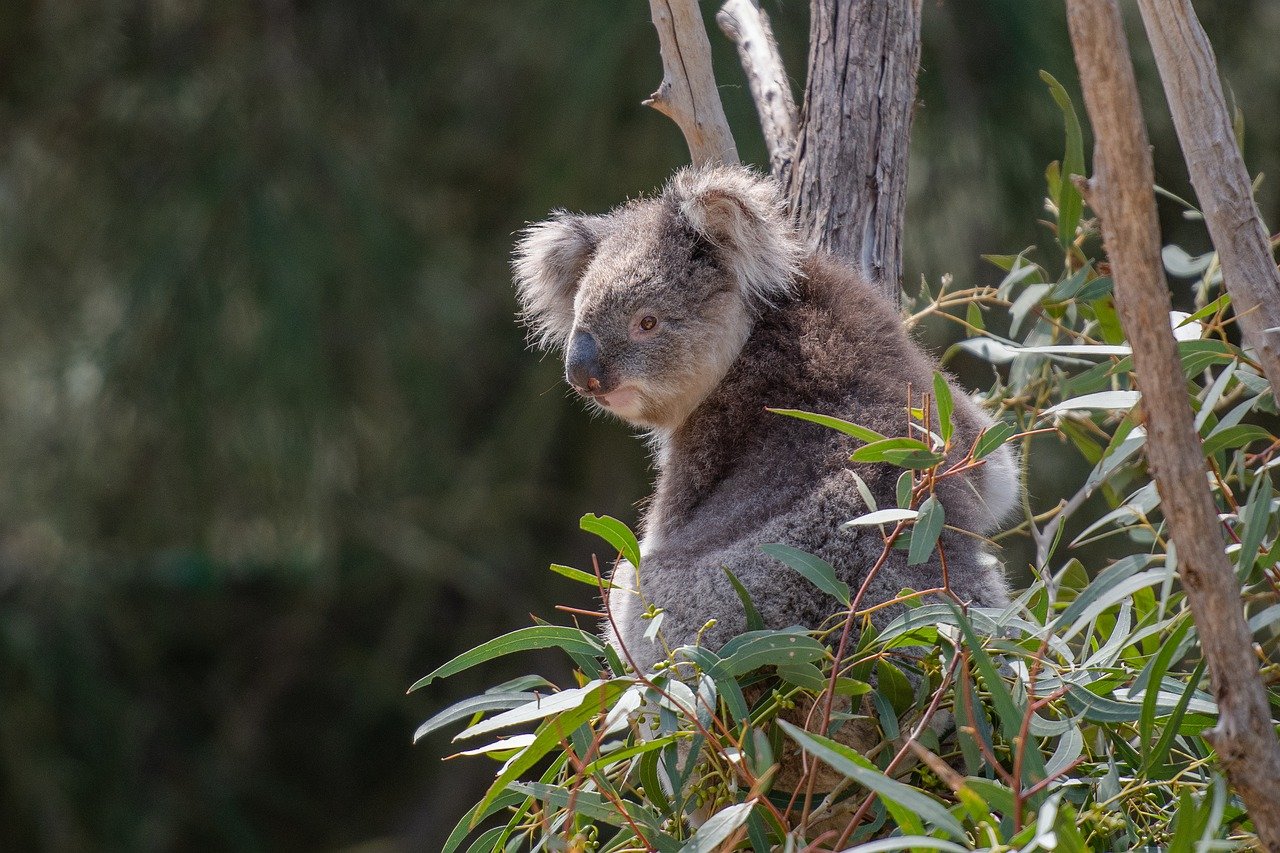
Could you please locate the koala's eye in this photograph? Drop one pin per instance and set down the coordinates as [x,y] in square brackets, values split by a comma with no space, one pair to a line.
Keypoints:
[648,323]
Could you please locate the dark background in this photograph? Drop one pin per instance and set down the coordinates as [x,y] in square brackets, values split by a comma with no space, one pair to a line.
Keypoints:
[271,446]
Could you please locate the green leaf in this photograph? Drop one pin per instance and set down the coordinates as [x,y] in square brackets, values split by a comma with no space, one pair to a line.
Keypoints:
[846,427]
[470,707]
[881,516]
[718,828]
[1157,755]
[1209,310]
[992,438]
[942,400]
[488,841]
[717,669]
[1256,519]
[589,804]
[909,842]
[804,675]
[903,489]
[754,622]
[581,576]
[1070,204]
[894,686]
[924,535]
[903,452]
[615,533]
[537,708]
[1233,437]
[1008,712]
[818,572]
[573,640]
[475,814]
[1154,675]
[899,798]
[769,648]
[1099,288]
[647,770]
[1106,581]
[549,736]
[973,316]
[1101,400]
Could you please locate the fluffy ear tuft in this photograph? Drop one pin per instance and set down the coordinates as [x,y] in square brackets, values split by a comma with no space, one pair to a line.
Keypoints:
[742,214]
[548,262]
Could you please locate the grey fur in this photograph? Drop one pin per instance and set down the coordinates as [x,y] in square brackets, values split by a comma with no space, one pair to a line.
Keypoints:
[745,321]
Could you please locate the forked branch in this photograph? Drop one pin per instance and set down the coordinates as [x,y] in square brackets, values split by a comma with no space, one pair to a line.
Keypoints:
[1121,193]
[1190,77]
[747,26]
[688,94]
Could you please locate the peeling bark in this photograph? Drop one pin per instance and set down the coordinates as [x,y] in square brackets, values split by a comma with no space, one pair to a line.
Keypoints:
[849,180]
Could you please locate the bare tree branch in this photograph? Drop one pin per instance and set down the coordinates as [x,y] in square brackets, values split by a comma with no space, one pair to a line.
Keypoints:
[1121,193]
[747,26]
[1190,76]
[688,94]
[849,179]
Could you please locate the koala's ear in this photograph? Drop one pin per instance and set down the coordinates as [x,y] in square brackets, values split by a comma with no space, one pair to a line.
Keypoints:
[742,215]
[548,262]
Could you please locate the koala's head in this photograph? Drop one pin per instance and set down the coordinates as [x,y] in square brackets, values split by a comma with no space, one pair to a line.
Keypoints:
[652,302]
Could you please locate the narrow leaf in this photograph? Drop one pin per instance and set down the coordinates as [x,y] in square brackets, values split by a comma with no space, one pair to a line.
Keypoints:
[1070,204]
[992,438]
[581,576]
[754,622]
[1101,400]
[718,828]
[862,771]
[924,535]
[573,640]
[615,533]
[945,405]
[818,572]
[549,736]
[846,427]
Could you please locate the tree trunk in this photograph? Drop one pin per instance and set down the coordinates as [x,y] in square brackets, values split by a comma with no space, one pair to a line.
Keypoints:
[1121,193]
[849,179]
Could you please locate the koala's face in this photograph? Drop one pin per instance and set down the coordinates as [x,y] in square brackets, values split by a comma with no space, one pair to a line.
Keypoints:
[653,302]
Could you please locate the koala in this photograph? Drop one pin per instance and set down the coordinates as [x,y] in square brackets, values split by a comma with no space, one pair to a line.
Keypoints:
[689,313]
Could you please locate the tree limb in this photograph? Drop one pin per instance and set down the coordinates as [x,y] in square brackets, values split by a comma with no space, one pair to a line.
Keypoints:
[849,179]
[747,26]
[1121,193]
[688,94]
[1189,73]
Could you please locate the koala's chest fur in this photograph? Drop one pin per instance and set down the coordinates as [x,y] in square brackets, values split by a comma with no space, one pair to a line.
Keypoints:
[690,313]
[735,476]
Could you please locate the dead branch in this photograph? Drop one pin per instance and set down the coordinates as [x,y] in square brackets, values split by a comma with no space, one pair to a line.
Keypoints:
[1121,193]
[747,26]
[849,179]
[1189,73]
[688,94]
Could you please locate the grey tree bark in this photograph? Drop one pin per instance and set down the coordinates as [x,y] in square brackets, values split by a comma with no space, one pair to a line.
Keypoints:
[849,180]
[688,94]
[1189,73]
[1121,193]
[747,26]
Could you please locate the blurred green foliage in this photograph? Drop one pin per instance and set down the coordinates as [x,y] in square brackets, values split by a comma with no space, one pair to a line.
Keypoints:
[271,442]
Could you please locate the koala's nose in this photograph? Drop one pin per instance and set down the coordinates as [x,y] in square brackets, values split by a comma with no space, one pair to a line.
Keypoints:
[582,364]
